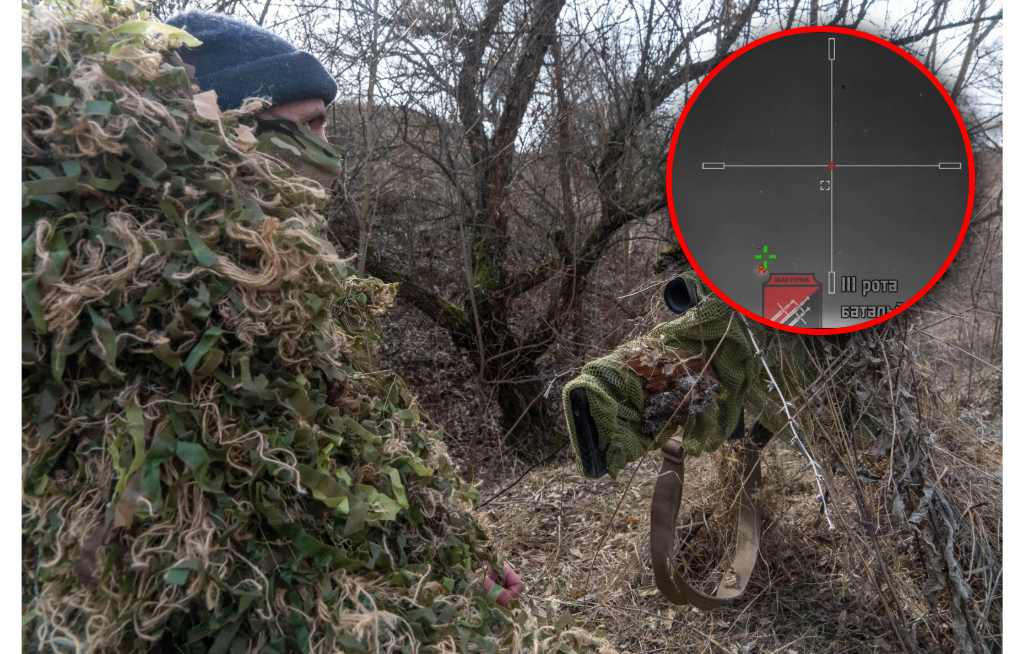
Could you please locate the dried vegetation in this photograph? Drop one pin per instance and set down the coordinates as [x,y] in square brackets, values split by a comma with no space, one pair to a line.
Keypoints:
[913,564]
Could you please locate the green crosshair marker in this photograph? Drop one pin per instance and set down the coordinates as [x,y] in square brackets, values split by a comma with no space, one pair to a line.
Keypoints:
[765,258]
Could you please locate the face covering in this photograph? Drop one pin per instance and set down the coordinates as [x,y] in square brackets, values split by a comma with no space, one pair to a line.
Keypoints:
[300,149]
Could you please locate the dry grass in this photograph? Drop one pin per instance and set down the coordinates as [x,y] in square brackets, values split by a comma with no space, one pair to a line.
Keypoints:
[813,590]
[914,564]
[870,585]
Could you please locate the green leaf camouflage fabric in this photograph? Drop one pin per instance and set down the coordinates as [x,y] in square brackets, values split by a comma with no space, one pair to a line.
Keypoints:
[615,390]
[210,463]
[308,155]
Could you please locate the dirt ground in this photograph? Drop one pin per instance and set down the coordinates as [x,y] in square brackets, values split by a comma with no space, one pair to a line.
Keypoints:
[575,545]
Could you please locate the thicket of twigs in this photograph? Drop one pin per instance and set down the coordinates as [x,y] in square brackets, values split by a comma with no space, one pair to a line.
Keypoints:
[914,561]
[517,148]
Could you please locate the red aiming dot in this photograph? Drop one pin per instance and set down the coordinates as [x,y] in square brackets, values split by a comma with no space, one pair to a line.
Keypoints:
[761,269]
[831,165]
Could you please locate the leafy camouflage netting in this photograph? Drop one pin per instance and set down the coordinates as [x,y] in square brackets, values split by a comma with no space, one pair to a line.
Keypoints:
[209,462]
[711,331]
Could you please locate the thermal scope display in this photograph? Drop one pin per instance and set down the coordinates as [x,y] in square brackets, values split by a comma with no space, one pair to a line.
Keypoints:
[820,179]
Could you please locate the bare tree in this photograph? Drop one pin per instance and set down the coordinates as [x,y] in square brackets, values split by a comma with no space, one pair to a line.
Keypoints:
[537,137]
[486,66]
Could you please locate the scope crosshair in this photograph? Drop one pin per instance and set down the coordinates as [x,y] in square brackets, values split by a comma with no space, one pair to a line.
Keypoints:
[827,185]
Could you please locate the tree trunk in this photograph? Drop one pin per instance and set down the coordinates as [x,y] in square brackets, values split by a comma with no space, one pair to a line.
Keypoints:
[368,140]
[527,418]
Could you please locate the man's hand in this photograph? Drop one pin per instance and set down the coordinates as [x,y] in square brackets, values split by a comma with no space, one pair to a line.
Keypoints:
[511,583]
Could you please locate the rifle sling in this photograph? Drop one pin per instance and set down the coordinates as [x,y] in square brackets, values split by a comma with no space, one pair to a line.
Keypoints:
[664,513]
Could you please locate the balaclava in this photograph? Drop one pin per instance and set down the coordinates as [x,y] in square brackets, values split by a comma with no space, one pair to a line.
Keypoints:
[296,145]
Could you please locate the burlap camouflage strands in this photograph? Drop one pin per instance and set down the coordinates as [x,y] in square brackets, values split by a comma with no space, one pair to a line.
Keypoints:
[615,390]
[210,463]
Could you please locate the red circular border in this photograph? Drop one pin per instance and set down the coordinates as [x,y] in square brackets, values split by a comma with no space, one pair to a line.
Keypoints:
[969,203]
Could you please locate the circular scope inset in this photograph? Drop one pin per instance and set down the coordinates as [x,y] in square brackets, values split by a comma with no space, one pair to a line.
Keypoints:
[820,180]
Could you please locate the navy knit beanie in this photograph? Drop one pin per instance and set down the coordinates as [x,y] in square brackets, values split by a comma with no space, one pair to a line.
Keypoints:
[240,60]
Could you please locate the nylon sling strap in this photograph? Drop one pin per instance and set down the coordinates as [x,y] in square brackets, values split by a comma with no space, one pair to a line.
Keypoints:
[664,513]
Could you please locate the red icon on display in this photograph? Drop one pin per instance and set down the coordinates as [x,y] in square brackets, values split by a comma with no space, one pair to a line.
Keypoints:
[793,300]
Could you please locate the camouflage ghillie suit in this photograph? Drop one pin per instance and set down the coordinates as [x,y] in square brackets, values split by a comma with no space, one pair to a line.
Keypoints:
[210,464]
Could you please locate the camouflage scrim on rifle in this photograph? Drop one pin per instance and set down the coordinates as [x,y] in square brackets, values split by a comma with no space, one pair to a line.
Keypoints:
[692,376]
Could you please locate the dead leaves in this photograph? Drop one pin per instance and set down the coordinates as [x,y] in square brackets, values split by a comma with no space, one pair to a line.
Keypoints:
[660,368]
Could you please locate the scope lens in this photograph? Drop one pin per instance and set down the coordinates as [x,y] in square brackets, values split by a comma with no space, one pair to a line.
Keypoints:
[679,296]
